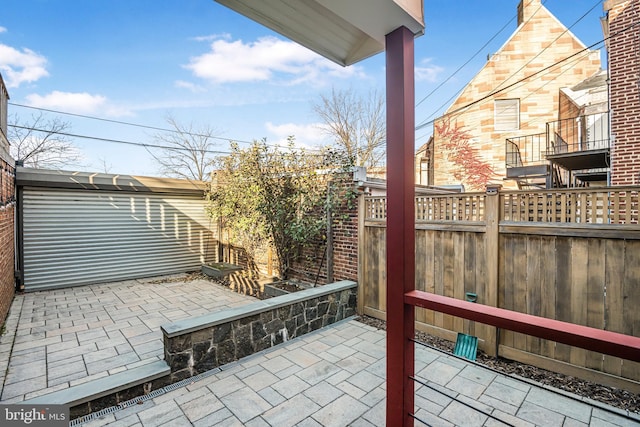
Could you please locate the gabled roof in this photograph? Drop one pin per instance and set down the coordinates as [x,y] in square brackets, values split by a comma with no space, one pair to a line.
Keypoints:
[591,93]
[531,9]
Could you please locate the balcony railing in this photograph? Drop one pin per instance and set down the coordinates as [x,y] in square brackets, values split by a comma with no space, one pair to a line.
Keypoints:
[584,133]
[526,150]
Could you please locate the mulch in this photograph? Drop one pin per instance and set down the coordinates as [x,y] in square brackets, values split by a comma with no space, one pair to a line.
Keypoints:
[612,396]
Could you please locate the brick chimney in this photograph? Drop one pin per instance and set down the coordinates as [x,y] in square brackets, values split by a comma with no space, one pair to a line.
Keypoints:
[526,9]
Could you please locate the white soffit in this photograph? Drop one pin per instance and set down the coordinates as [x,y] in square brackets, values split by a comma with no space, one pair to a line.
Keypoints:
[344,31]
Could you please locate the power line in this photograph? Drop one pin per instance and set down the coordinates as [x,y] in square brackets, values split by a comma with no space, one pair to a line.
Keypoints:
[467,62]
[530,122]
[495,92]
[498,90]
[314,153]
[549,67]
[102,119]
[463,65]
[118,141]
[550,44]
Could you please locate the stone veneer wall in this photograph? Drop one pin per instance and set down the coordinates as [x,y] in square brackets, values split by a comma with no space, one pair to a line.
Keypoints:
[196,345]
[539,40]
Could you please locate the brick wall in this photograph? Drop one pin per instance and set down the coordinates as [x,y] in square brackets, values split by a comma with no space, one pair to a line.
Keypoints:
[345,237]
[312,264]
[624,74]
[7,246]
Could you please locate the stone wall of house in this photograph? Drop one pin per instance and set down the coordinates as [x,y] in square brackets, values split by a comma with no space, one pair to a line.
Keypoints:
[539,41]
[7,233]
[624,72]
[200,344]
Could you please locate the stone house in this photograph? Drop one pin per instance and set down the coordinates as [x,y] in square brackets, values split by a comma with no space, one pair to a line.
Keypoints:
[514,95]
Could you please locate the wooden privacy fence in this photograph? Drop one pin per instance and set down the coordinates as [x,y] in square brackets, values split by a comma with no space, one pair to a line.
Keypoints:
[571,255]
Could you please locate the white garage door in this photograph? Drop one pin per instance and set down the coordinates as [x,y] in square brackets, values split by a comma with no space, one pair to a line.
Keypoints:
[75,237]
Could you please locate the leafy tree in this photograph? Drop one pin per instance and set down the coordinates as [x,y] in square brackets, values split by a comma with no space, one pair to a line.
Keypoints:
[190,151]
[42,143]
[272,194]
[356,124]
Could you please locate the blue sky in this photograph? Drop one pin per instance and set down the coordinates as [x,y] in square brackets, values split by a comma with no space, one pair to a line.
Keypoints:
[138,61]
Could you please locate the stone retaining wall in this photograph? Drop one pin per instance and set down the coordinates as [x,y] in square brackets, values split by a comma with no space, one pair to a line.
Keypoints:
[196,345]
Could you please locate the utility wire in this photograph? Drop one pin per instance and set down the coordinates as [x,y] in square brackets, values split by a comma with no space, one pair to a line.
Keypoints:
[467,62]
[551,44]
[463,65]
[118,141]
[498,89]
[495,92]
[314,153]
[530,122]
[84,116]
[102,119]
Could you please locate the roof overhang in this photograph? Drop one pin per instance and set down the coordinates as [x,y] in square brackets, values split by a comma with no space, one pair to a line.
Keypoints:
[344,31]
[47,178]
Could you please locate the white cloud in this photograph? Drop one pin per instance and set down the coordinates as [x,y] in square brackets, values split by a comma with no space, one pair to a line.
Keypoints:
[189,86]
[68,101]
[267,59]
[23,66]
[427,72]
[3,30]
[307,135]
[212,37]
[77,102]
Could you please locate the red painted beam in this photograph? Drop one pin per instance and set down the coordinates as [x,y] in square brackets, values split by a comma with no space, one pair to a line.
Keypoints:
[400,226]
[607,342]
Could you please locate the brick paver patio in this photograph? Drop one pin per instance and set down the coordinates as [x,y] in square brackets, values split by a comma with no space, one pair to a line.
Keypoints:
[335,377]
[68,336]
[331,377]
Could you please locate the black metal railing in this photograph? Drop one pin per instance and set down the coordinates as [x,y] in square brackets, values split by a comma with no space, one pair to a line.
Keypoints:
[584,133]
[526,150]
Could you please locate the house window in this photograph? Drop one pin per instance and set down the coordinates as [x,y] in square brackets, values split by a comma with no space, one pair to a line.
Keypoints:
[507,114]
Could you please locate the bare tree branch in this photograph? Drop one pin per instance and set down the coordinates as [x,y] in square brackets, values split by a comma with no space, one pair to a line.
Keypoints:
[357,125]
[39,143]
[190,154]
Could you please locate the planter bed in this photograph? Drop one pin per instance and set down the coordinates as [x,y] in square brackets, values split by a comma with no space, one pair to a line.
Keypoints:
[199,344]
[220,270]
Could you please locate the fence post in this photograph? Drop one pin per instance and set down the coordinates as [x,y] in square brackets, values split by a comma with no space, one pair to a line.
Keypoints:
[361,253]
[492,256]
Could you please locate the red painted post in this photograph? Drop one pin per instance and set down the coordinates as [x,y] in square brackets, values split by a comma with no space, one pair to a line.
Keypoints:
[400,225]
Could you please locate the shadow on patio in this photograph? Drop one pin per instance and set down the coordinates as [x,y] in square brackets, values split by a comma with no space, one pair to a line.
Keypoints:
[331,377]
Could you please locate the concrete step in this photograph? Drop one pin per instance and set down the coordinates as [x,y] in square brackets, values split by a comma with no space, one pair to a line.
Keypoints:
[105,386]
